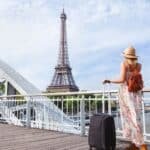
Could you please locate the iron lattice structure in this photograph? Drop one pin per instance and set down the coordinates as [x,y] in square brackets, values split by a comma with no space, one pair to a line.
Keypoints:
[63,79]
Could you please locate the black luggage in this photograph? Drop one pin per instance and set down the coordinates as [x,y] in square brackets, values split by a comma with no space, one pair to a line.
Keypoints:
[102,133]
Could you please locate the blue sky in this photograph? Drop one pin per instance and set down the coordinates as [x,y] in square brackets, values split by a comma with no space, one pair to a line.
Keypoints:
[97,30]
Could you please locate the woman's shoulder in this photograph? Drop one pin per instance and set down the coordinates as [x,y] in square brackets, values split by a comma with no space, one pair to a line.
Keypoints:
[124,64]
[139,65]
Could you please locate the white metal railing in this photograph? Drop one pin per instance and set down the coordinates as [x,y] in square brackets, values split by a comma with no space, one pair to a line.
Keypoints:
[68,112]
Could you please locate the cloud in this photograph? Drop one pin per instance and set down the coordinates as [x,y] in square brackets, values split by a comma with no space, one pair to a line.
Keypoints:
[97,33]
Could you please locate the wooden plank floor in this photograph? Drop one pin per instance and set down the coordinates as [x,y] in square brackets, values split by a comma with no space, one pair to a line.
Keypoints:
[20,138]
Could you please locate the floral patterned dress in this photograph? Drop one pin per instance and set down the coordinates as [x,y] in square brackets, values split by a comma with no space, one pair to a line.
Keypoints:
[131,114]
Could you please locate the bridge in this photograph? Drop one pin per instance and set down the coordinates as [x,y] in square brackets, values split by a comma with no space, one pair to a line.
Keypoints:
[23,105]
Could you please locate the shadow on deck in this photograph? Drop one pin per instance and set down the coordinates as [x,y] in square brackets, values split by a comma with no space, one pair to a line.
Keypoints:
[20,138]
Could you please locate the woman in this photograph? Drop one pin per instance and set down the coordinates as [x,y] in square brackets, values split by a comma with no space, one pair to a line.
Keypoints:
[130,102]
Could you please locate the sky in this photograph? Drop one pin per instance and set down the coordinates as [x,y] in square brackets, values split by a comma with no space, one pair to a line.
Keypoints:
[97,32]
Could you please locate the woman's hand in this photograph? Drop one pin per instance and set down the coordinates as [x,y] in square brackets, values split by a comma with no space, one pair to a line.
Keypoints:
[106,81]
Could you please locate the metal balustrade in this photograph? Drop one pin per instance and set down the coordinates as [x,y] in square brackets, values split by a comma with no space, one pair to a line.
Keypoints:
[68,112]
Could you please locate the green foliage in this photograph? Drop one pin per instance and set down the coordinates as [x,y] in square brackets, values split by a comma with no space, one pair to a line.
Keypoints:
[71,103]
[2,88]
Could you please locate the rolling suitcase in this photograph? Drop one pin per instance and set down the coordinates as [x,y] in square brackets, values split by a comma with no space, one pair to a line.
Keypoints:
[102,133]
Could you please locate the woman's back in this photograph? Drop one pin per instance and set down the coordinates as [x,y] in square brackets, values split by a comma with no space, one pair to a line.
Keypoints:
[133,79]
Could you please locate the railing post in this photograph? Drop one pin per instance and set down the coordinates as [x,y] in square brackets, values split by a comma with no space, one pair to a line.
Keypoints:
[103,100]
[28,112]
[144,124]
[62,109]
[44,116]
[109,102]
[6,88]
[82,115]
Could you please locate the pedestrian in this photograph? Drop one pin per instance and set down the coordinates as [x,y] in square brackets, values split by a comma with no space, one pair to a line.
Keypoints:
[130,98]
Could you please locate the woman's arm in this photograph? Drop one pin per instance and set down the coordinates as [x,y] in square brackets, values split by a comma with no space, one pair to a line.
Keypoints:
[122,76]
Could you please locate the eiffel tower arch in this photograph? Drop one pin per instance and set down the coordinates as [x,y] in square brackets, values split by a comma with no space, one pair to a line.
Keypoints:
[63,80]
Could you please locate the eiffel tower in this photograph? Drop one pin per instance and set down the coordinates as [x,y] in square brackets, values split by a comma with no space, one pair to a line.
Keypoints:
[63,79]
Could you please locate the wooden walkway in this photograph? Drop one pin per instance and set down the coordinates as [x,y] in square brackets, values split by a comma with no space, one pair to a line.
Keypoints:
[20,138]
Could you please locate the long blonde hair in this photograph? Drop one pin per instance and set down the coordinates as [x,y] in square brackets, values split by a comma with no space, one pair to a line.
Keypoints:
[131,61]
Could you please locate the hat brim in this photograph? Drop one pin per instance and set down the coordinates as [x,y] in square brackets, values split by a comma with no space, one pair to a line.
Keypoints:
[129,56]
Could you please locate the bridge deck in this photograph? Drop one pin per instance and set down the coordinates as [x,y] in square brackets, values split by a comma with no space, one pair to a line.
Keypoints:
[20,138]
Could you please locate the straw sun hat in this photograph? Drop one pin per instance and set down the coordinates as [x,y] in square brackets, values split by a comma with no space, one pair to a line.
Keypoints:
[130,52]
